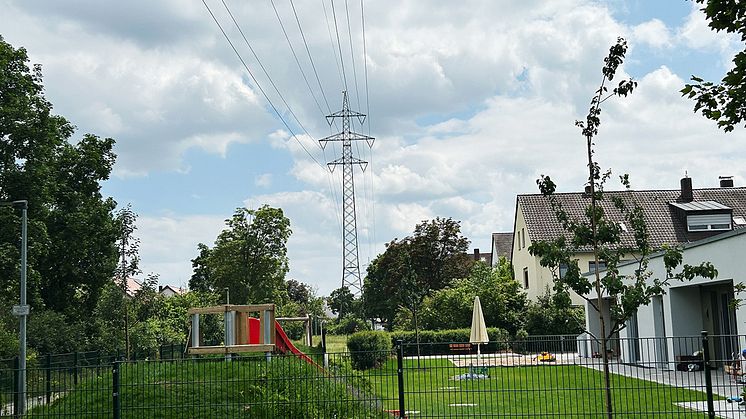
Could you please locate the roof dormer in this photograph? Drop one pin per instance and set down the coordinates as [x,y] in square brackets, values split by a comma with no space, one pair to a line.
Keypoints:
[705,216]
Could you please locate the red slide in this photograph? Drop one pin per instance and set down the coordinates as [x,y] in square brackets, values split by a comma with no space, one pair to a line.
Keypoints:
[282,342]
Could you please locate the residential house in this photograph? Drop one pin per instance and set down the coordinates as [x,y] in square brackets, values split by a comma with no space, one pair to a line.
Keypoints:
[686,309]
[484,257]
[676,216]
[170,290]
[133,286]
[502,244]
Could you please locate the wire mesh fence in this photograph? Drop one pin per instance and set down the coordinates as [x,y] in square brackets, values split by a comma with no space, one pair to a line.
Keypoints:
[683,377]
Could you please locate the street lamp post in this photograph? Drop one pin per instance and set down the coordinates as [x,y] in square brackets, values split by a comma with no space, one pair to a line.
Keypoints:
[22,310]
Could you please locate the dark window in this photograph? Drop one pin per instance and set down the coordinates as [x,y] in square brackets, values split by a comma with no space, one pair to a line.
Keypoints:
[525,278]
[592,266]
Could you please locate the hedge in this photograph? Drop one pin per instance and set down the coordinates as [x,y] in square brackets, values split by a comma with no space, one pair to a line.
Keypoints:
[436,342]
[368,349]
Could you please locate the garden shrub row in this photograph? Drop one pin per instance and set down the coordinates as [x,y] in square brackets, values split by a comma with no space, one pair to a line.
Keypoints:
[436,342]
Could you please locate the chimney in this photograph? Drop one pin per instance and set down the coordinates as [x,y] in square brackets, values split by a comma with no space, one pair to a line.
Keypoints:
[686,189]
[160,289]
[476,254]
[726,181]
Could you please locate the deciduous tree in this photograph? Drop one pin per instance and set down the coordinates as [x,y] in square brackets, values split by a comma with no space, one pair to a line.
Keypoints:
[249,257]
[411,268]
[72,230]
[723,102]
[601,235]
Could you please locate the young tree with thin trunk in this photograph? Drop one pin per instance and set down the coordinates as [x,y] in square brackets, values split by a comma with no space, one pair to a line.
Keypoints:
[606,292]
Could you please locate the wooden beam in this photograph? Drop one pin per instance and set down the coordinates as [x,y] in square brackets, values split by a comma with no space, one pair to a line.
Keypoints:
[233,349]
[230,307]
[296,319]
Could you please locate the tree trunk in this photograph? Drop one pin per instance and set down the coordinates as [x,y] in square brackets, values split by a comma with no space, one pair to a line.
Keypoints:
[417,336]
[599,296]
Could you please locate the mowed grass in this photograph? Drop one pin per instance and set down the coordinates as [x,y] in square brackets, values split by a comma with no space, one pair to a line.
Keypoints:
[251,387]
[287,387]
[334,343]
[530,391]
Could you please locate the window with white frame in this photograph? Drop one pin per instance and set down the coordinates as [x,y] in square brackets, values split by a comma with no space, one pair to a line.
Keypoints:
[708,222]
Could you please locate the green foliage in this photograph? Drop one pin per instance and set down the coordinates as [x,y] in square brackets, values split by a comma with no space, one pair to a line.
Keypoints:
[347,325]
[411,268]
[156,320]
[8,343]
[71,227]
[503,301]
[434,342]
[553,314]
[249,257]
[342,302]
[723,102]
[51,332]
[369,349]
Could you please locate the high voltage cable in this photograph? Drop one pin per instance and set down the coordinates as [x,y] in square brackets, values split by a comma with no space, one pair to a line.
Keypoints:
[332,189]
[331,41]
[297,61]
[352,55]
[367,112]
[300,67]
[266,73]
[339,45]
[310,58]
[256,82]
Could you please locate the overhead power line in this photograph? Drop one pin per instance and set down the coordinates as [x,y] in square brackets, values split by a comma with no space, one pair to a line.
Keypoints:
[310,58]
[352,54]
[256,83]
[297,61]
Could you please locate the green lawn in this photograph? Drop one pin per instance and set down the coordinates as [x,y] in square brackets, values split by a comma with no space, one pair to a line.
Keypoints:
[334,343]
[542,391]
[211,388]
[289,387]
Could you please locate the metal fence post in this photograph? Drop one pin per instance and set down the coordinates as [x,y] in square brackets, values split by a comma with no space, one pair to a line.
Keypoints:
[16,380]
[400,376]
[708,376]
[48,375]
[115,389]
[75,368]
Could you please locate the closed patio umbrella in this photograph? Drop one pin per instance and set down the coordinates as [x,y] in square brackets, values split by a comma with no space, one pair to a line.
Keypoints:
[478,334]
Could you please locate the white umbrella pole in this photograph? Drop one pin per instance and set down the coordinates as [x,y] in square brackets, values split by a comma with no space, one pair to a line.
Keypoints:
[479,354]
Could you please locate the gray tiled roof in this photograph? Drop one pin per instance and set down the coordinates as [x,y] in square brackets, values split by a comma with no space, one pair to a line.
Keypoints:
[503,242]
[664,225]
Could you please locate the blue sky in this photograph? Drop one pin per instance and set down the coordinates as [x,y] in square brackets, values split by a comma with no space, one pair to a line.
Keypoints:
[470,102]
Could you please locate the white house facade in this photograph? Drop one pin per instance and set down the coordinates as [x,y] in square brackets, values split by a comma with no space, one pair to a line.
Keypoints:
[671,326]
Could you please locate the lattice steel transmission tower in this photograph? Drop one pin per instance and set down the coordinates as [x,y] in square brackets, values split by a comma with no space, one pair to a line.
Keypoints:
[350,264]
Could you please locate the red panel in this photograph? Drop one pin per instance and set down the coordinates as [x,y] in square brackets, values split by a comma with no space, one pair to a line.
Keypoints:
[253,325]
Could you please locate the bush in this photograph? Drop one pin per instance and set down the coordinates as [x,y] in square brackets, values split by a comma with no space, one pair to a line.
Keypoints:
[519,343]
[436,342]
[369,349]
[348,325]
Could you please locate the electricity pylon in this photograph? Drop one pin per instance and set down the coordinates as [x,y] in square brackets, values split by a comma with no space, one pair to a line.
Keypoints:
[350,264]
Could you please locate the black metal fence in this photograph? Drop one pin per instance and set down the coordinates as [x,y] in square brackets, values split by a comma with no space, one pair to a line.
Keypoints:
[686,377]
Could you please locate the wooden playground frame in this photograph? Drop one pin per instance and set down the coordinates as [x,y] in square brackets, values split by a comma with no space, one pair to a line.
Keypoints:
[236,333]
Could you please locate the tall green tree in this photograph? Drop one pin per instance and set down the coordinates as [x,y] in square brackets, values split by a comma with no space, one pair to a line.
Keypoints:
[411,268]
[503,301]
[249,257]
[723,102]
[72,230]
[342,302]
